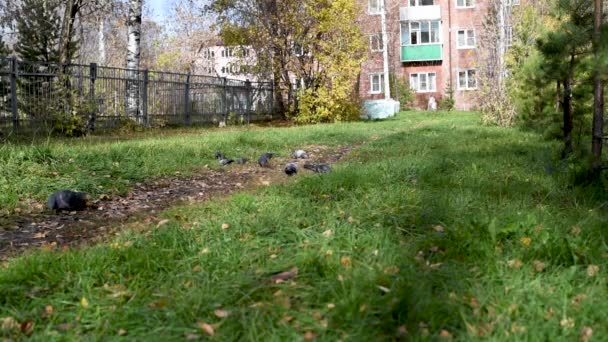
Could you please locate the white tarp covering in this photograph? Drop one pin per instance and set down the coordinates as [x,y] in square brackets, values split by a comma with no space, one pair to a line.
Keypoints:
[380,109]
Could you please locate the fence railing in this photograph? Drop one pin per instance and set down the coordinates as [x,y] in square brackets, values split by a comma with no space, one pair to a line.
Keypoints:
[36,95]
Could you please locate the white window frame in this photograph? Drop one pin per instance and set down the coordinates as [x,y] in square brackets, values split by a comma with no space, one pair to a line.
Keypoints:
[467,73]
[419,32]
[430,87]
[416,3]
[374,10]
[512,2]
[472,5]
[375,42]
[380,76]
[466,39]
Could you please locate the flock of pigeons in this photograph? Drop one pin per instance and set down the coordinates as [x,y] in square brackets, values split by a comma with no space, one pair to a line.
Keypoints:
[73,200]
[264,161]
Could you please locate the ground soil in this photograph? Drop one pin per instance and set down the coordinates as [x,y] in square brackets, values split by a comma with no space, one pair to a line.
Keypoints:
[49,230]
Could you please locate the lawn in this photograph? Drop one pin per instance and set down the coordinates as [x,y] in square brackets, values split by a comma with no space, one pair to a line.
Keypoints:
[435,228]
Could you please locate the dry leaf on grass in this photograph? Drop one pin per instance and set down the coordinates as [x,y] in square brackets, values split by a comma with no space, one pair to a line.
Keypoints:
[585,334]
[26,327]
[567,323]
[391,270]
[225,226]
[345,261]
[121,332]
[445,334]
[327,233]
[526,241]
[162,223]
[48,311]
[592,270]
[84,302]
[310,336]
[539,266]
[206,328]
[283,276]
[9,323]
[438,228]
[514,263]
[221,313]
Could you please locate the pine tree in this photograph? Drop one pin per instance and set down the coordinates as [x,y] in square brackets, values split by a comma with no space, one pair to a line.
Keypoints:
[39,27]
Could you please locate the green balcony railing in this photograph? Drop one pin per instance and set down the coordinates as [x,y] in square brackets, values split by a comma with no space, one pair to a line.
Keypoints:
[427,52]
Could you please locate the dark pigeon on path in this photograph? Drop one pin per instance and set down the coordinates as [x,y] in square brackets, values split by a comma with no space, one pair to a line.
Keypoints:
[264,160]
[242,160]
[318,167]
[219,155]
[226,161]
[291,169]
[69,200]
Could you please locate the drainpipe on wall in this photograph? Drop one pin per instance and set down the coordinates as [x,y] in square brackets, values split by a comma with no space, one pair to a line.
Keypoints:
[450,43]
[387,88]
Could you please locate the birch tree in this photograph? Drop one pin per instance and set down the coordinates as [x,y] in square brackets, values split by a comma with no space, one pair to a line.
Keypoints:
[133,57]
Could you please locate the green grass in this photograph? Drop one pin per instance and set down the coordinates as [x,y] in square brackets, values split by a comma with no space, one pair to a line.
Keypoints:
[450,216]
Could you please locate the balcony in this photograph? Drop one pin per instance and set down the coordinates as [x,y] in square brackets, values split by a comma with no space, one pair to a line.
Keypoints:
[419,53]
[414,13]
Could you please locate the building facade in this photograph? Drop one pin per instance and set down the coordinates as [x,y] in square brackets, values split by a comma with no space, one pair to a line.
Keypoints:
[431,43]
[233,62]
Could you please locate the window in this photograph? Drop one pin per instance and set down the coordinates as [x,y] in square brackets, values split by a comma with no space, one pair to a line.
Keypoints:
[508,35]
[466,39]
[467,80]
[223,53]
[421,2]
[377,83]
[374,6]
[375,42]
[419,32]
[512,2]
[466,3]
[423,82]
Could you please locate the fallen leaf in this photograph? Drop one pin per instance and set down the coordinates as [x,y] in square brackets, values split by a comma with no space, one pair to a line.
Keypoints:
[327,233]
[273,256]
[283,276]
[350,219]
[438,228]
[526,241]
[514,263]
[48,311]
[585,334]
[345,261]
[9,323]
[287,319]
[445,334]
[221,313]
[162,223]
[27,327]
[515,328]
[192,337]
[592,270]
[578,299]
[225,226]
[331,305]
[84,302]
[383,289]
[576,231]
[40,235]
[539,266]
[549,313]
[207,328]
[391,270]
[310,336]
[121,332]
[104,197]
[197,268]
[567,323]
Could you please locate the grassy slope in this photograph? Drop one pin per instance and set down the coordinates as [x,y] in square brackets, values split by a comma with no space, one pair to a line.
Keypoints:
[374,221]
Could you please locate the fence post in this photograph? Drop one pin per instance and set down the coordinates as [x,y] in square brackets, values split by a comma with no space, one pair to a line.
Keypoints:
[92,78]
[249,103]
[187,101]
[144,99]
[225,99]
[14,70]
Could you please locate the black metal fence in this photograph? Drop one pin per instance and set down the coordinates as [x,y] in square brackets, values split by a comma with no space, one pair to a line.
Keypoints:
[36,96]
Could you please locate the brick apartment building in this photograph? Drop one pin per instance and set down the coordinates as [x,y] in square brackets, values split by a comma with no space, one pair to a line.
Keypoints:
[431,43]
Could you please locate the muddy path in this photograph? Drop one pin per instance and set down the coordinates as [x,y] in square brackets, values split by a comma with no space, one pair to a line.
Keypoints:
[47,230]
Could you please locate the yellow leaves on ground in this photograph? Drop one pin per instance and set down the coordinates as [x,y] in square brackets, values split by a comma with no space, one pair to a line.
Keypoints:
[225,226]
[592,270]
[84,302]
[526,241]
[206,328]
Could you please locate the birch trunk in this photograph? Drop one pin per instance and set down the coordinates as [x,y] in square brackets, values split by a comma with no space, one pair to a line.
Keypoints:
[133,55]
[101,39]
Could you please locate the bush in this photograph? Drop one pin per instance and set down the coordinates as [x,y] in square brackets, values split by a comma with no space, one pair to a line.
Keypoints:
[400,89]
[447,103]
[317,105]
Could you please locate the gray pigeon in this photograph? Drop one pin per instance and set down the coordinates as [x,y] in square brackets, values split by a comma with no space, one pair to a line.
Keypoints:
[264,160]
[219,155]
[226,161]
[291,169]
[299,154]
[318,167]
[69,200]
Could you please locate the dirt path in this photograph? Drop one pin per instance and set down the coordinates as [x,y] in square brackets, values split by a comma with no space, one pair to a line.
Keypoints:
[50,230]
